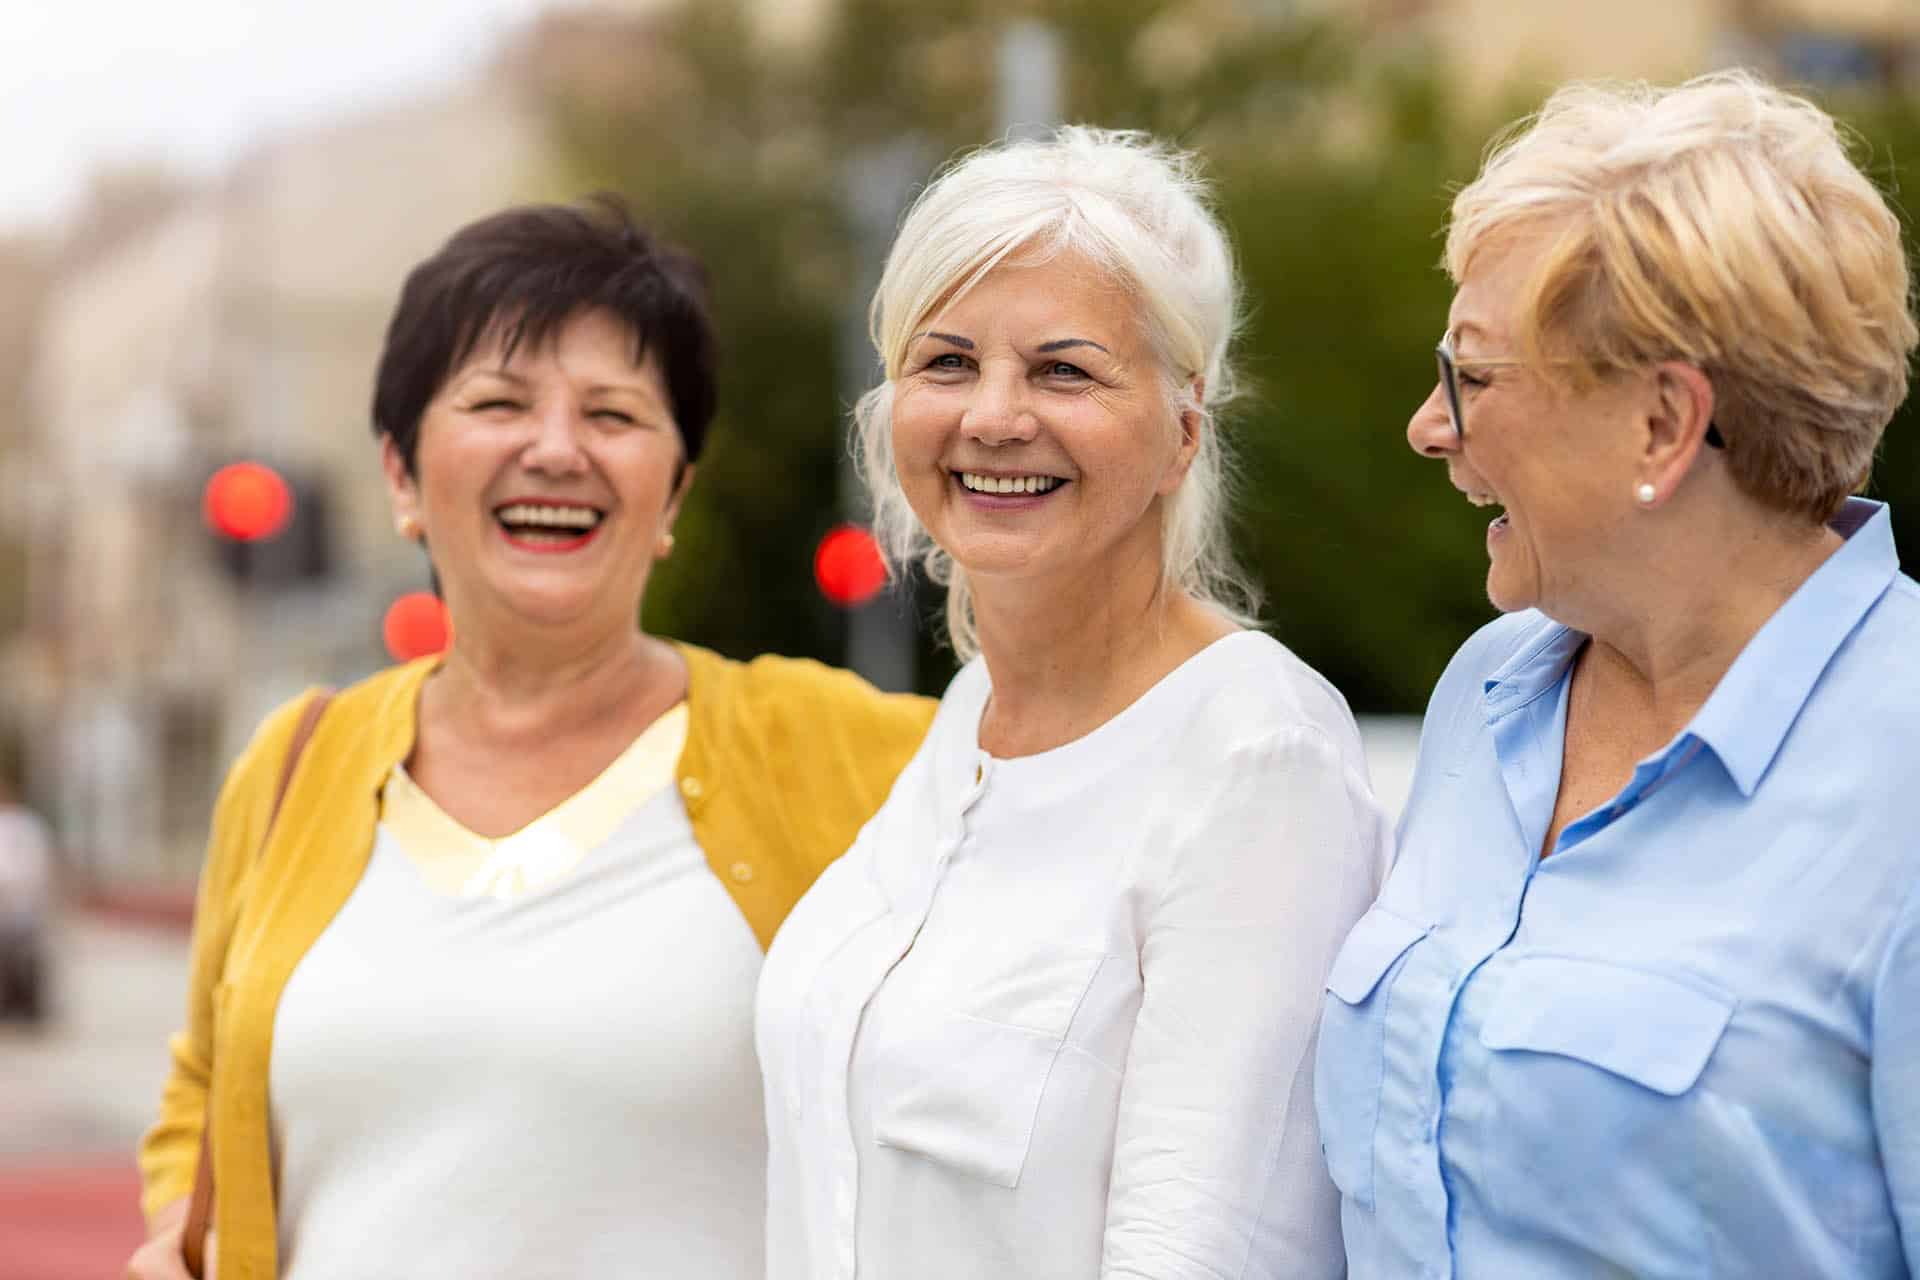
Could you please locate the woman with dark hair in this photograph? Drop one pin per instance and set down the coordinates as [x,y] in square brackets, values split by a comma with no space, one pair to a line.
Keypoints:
[475,950]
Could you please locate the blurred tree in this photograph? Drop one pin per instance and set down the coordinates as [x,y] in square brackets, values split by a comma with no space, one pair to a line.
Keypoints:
[746,178]
[25,269]
[1887,133]
[1333,163]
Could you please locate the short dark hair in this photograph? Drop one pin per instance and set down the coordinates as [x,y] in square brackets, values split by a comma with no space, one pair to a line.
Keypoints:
[521,275]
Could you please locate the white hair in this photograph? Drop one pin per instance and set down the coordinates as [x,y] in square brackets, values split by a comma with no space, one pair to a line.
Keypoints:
[1137,210]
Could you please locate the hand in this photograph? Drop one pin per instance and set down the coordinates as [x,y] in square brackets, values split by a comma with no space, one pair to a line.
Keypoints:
[160,1258]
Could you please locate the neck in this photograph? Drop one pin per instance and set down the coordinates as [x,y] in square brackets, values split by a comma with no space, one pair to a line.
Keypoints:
[550,685]
[1067,656]
[1706,599]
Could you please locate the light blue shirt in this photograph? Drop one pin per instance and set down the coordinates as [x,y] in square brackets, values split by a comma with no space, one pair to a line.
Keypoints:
[1688,1043]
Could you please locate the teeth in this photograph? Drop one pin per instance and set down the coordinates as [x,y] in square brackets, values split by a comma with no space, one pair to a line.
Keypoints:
[527,513]
[1009,484]
[1482,499]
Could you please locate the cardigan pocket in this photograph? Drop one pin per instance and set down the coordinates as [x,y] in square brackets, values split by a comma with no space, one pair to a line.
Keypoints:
[962,1086]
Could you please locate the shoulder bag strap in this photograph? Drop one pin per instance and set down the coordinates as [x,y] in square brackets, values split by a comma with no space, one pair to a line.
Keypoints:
[193,1244]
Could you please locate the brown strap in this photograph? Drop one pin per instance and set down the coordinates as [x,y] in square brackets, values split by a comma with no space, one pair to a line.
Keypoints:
[193,1242]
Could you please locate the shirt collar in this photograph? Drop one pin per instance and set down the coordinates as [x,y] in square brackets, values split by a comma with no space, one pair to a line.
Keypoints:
[1749,712]
[1535,668]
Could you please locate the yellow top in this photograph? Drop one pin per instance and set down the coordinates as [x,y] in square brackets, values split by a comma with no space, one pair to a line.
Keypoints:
[459,862]
[785,759]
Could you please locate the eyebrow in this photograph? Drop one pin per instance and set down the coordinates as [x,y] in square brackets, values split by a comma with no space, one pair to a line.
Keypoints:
[1063,344]
[965,344]
[493,371]
[640,389]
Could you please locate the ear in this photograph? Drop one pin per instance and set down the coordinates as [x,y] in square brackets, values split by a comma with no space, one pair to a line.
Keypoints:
[1193,423]
[403,491]
[679,495]
[1679,412]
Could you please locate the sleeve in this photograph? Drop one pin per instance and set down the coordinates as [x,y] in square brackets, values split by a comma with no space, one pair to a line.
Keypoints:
[835,744]
[1895,1073]
[171,1148]
[1217,1166]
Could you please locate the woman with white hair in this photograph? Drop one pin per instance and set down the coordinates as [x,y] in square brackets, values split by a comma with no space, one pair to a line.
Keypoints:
[1642,996]
[1052,1015]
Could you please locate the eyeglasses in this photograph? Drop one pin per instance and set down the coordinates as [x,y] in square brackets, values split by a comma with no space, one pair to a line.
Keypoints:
[1450,385]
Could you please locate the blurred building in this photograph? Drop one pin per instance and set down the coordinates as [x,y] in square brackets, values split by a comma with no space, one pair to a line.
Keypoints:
[1493,49]
[238,320]
[25,266]
[191,327]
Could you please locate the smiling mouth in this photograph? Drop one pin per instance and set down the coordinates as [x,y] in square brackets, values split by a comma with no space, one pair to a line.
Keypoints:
[546,526]
[1013,486]
[1485,498]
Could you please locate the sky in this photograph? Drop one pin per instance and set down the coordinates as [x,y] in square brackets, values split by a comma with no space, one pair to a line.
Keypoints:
[187,84]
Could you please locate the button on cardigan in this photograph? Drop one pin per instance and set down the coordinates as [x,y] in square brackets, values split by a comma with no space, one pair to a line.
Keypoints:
[786,759]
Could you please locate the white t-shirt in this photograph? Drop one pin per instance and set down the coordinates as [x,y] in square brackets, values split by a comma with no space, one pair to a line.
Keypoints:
[526,1057]
[1055,1015]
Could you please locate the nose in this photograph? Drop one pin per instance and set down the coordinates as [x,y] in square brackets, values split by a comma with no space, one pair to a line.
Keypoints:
[997,412]
[1430,429]
[554,448]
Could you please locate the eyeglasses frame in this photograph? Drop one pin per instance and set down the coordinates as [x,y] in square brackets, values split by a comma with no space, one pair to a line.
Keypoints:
[1450,387]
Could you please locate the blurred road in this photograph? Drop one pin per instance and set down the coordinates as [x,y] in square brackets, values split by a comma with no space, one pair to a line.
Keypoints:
[75,1095]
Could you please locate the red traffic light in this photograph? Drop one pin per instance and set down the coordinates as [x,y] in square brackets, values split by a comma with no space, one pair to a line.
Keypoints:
[847,566]
[415,626]
[247,502]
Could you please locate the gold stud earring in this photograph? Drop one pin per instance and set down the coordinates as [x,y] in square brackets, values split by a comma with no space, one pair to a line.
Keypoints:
[408,528]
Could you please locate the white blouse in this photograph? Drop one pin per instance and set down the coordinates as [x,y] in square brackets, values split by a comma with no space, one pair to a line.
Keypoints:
[1055,1015]
[526,1057]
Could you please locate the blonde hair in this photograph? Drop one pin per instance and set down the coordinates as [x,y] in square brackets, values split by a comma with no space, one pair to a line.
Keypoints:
[1137,211]
[1723,224]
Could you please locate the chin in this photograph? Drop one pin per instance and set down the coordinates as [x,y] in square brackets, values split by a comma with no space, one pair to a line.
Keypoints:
[992,557]
[1509,597]
[553,609]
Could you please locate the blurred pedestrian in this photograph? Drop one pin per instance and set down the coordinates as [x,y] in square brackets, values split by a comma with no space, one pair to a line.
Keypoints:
[26,903]
[478,1001]
[1053,1014]
[1642,995]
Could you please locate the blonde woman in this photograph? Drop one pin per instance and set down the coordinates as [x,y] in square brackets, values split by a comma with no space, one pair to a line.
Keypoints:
[1642,996]
[1053,1013]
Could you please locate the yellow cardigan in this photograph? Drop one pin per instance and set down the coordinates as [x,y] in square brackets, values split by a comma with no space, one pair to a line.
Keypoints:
[785,759]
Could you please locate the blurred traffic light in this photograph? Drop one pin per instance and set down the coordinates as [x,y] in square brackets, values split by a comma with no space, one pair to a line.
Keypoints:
[269,525]
[847,566]
[247,502]
[415,626]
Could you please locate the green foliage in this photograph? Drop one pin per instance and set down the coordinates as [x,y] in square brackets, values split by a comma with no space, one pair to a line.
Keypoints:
[13,586]
[1887,129]
[1333,167]
[755,199]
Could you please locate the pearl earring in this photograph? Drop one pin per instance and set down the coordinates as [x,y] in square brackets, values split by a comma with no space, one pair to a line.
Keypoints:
[407,527]
[666,545]
[1646,493]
